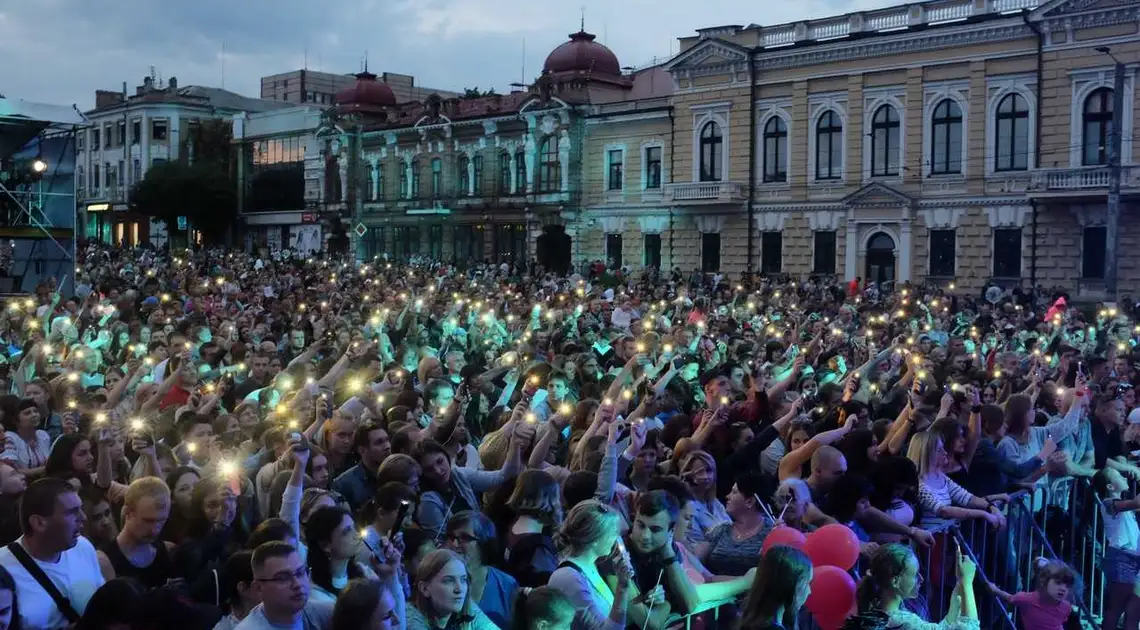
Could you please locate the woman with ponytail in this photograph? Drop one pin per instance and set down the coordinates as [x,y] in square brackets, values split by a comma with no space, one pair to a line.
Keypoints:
[542,608]
[892,578]
[782,585]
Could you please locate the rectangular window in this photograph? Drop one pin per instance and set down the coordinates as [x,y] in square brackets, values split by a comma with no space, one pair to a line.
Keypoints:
[1094,240]
[437,178]
[614,179]
[521,185]
[942,246]
[108,174]
[653,167]
[1007,253]
[824,261]
[136,131]
[108,138]
[613,251]
[415,187]
[158,130]
[771,252]
[652,251]
[710,252]
[468,244]
[504,174]
[477,179]
[157,161]
[121,136]
[95,140]
[435,242]
[79,141]
[95,181]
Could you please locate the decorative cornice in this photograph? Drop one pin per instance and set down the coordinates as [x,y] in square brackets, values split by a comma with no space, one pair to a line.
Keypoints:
[897,45]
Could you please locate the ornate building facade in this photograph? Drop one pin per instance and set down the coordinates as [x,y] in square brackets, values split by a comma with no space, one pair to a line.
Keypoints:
[948,140]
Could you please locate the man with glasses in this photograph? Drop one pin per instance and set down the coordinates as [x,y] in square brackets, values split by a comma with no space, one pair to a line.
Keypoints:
[281,582]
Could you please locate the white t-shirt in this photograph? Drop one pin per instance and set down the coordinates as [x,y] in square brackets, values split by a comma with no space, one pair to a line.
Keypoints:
[1121,529]
[76,575]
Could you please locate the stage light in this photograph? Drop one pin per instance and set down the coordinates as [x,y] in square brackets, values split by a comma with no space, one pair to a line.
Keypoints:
[39,166]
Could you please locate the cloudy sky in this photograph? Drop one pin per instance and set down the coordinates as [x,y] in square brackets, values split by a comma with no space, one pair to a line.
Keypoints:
[61,51]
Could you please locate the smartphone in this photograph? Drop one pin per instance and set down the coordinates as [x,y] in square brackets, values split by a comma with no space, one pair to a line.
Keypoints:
[678,363]
[303,442]
[401,514]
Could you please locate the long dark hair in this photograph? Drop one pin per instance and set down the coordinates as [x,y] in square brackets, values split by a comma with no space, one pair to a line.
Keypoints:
[778,579]
[59,459]
[357,601]
[887,563]
[318,530]
[114,603]
[7,583]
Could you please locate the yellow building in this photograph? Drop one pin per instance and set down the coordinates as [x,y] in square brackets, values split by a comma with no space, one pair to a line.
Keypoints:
[953,139]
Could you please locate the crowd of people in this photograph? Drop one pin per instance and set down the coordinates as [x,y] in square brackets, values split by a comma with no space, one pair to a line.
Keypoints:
[216,439]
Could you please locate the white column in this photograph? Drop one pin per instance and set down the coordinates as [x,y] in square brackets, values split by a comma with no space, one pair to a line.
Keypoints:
[564,161]
[174,136]
[851,251]
[407,180]
[470,176]
[374,174]
[905,251]
[514,173]
[343,165]
[530,157]
[144,142]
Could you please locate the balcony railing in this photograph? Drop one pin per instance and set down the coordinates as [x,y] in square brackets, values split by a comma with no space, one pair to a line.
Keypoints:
[888,19]
[720,192]
[1088,178]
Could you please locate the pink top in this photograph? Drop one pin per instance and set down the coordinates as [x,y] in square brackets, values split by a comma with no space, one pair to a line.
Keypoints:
[1038,614]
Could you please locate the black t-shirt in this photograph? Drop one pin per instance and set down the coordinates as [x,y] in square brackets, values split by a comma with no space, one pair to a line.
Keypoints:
[153,575]
[1107,444]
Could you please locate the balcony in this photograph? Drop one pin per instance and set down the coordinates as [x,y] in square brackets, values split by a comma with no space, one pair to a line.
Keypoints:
[705,192]
[1081,181]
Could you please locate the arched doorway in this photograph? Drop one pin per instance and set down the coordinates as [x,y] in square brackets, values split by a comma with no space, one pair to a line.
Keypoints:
[553,249]
[880,259]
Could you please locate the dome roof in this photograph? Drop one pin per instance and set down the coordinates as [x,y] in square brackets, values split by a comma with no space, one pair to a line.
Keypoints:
[582,54]
[365,95]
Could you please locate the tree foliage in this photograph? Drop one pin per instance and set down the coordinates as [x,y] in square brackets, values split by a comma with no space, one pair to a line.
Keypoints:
[475,92]
[199,186]
[200,191]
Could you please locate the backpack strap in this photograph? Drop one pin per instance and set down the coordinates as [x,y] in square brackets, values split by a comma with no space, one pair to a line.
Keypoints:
[45,582]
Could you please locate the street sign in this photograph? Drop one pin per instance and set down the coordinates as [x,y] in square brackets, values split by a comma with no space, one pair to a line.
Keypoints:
[182,223]
[361,230]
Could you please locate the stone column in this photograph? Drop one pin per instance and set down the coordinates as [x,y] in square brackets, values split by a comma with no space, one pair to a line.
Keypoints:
[905,250]
[374,176]
[343,164]
[408,180]
[530,157]
[514,173]
[851,251]
[470,176]
[564,160]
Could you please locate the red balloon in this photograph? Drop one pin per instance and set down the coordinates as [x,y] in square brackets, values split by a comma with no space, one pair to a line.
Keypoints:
[833,545]
[832,596]
[783,536]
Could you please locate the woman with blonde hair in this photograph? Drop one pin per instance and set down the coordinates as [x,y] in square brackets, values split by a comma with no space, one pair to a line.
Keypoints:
[441,596]
[698,469]
[589,534]
[943,501]
[537,507]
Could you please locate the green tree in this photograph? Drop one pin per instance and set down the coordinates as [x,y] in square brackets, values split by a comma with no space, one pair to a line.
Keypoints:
[199,191]
[475,92]
[199,186]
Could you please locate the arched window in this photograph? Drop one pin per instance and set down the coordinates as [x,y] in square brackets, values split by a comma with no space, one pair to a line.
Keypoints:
[1097,127]
[504,172]
[775,150]
[829,146]
[436,178]
[550,169]
[885,142]
[521,183]
[1011,147]
[405,192]
[946,138]
[477,175]
[711,143]
[461,176]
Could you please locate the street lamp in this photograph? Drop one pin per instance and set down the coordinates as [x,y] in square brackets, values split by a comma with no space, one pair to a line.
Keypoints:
[1112,220]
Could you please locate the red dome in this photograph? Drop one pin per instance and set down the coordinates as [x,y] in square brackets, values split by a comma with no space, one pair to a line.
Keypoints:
[367,94]
[582,54]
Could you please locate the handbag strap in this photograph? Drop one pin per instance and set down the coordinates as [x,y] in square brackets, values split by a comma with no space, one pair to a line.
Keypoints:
[38,575]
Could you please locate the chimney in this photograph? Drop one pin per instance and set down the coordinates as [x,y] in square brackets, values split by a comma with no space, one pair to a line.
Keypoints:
[172,84]
[107,98]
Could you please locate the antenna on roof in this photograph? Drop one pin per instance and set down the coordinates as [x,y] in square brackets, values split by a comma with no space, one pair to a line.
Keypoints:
[522,73]
[223,64]
[305,66]
[582,25]
[366,60]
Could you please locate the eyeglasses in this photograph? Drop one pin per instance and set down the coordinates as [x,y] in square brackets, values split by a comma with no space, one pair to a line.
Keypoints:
[459,537]
[299,575]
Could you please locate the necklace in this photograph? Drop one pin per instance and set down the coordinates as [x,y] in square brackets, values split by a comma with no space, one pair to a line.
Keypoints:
[747,533]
